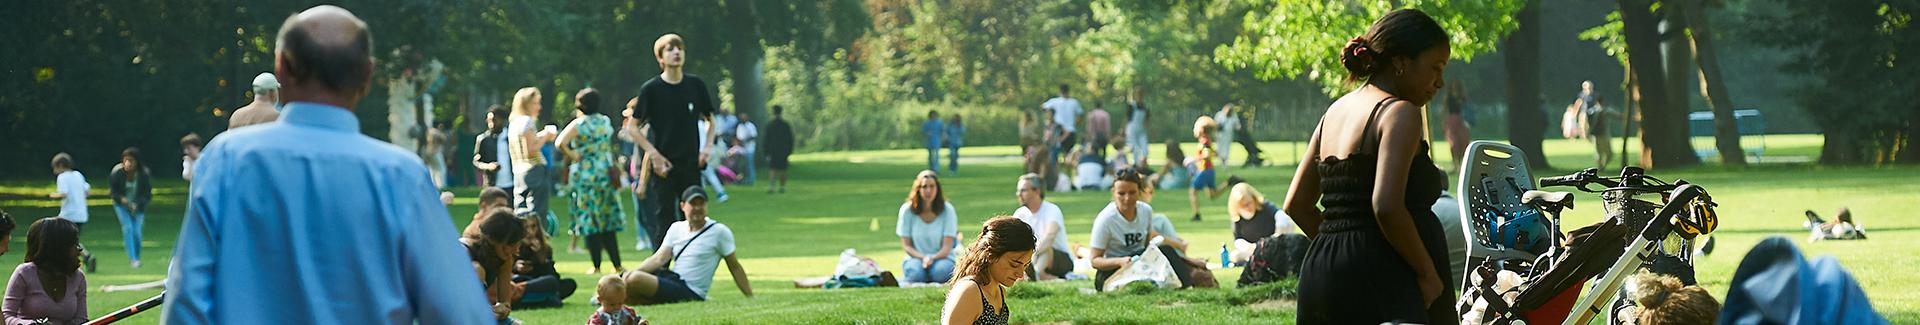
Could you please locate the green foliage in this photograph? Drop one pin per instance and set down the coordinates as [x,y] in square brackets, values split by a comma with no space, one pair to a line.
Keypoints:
[1292,38]
[1610,37]
[1859,51]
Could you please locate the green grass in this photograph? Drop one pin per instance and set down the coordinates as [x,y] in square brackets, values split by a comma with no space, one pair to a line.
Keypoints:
[837,199]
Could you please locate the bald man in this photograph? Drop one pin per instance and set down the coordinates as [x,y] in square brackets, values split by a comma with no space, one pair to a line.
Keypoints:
[307,220]
[266,99]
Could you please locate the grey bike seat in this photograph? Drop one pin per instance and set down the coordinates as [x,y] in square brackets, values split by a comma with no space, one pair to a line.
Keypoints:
[1544,198]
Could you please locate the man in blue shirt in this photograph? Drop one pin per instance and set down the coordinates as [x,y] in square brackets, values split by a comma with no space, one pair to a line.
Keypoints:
[305,220]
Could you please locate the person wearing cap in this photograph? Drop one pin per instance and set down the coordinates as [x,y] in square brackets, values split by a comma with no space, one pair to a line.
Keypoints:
[266,103]
[682,269]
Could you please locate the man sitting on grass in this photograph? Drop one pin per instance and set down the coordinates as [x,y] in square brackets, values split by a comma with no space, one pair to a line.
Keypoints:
[682,269]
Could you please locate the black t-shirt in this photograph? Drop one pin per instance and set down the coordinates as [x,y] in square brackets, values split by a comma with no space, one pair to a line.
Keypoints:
[779,138]
[674,112]
[1260,226]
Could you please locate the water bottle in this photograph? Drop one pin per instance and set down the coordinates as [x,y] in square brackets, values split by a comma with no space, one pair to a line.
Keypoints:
[1224,262]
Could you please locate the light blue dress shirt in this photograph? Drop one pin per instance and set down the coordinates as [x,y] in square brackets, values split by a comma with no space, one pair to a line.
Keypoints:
[306,221]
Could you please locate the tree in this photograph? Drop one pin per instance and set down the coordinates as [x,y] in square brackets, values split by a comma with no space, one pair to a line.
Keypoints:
[1526,124]
[1726,133]
[1664,136]
[1862,99]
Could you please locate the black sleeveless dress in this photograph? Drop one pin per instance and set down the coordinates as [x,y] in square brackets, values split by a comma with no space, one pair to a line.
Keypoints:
[1351,274]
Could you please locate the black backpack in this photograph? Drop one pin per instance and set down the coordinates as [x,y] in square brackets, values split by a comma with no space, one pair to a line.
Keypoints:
[1275,258]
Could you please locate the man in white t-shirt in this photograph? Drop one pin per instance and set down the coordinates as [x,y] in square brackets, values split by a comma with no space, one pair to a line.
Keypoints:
[1051,256]
[1066,113]
[682,269]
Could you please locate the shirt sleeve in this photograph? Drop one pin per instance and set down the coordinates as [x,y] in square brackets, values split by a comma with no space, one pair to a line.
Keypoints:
[702,100]
[16,292]
[903,228]
[950,222]
[80,313]
[723,240]
[429,253]
[1100,231]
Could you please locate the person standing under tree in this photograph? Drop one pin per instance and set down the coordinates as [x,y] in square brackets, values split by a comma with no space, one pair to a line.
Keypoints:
[1137,127]
[1066,116]
[131,190]
[956,137]
[265,106]
[779,147]
[1593,117]
[490,153]
[747,138]
[670,106]
[936,132]
[1378,254]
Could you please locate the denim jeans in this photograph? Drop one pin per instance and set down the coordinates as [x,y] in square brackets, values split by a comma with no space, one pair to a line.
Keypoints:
[130,224]
[940,272]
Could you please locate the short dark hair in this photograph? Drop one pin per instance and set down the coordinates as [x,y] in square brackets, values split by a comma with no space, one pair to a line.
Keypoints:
[6,223]
[131,152]
[1064,89]
[777,109]
[339,68]
[490,193]
[588,101]
[498,111]
[933,114]
[192,140]
[502,227]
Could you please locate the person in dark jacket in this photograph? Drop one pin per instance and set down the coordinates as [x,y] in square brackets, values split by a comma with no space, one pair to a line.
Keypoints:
[131,191]
[778,145]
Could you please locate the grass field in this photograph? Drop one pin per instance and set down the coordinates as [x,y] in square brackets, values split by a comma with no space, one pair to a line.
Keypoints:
[843,200]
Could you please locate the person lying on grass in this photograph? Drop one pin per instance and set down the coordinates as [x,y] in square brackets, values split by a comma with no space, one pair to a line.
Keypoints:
[682,270]
[996,261]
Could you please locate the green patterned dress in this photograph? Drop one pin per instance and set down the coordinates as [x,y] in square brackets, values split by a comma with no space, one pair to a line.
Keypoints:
[595,209]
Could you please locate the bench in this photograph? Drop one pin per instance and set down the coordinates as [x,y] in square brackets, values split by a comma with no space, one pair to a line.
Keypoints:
[1749,121]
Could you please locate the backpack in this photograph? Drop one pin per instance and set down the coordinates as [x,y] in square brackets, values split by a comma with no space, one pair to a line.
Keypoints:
[1275,258]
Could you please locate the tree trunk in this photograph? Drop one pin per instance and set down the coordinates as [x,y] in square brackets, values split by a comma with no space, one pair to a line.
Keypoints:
[1526,124]
[1726,132]
[1664,134]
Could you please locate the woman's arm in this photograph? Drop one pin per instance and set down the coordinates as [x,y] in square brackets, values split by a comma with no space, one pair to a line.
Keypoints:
[946,247]
[1101,262]
[117,186]
[739,276]
[907,244]
[16,293]
[1303,196]
[1399,142]
[958,310]
[566,139]
[144,194]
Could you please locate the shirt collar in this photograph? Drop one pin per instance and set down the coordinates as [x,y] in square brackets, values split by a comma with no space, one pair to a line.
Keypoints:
[321,116]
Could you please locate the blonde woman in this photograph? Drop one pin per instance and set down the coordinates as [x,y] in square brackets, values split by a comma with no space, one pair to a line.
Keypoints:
[1254,218]
[530,170]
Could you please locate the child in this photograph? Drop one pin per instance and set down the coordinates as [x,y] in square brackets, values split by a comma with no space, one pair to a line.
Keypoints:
[612,296]
[71,189]
[189,153]
[131,191]
[1203,165]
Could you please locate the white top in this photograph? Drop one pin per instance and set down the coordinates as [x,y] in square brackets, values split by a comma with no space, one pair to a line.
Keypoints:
[1048,214]
[1066,111]
[747,134]
[1228,123]
[74,207]
[696,263]
[1136,121]
[927,236]
[1118,236]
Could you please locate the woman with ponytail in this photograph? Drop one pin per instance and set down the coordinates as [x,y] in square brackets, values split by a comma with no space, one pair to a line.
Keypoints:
[994,262]
[1377,253]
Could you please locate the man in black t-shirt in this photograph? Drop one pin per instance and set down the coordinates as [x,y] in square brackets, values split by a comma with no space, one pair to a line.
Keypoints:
[778,146]
[672,105]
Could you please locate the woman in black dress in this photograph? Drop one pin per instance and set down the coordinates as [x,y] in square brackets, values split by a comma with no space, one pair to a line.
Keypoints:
[1378,254]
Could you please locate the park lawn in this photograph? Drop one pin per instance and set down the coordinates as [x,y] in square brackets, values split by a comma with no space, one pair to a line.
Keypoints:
[841,200]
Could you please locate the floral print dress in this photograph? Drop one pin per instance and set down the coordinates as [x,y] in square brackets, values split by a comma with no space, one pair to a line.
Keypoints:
[595,209]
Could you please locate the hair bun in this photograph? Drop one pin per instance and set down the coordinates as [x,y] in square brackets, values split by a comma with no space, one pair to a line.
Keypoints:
[1357,56]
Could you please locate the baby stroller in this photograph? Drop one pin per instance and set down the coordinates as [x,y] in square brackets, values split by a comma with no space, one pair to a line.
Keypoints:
[1513,288]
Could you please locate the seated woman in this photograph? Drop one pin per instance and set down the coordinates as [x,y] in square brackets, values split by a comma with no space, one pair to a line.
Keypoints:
[1254,218]
[1123,229]
[993,264]
[534,274]
[48,288]
[493,253]
[928,229]
[682,269]
[1051,258]
[1175,173]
